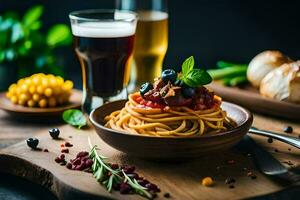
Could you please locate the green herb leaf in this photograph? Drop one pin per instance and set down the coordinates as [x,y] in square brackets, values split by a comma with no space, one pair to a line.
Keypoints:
[59,34]
[188,65]
[197,77]
[32,15]
[17,33]
[74,117]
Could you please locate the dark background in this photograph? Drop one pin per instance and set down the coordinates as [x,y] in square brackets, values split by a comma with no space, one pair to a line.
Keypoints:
[208,29]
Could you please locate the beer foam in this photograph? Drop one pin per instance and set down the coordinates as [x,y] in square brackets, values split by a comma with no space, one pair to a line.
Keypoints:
[103,29]
[152,15]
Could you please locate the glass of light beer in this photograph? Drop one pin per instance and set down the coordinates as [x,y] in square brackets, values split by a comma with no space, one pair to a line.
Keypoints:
[103,41]
[151,38]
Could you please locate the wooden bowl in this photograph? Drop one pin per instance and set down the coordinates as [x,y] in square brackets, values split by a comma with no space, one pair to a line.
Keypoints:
[171,148]
[27,112]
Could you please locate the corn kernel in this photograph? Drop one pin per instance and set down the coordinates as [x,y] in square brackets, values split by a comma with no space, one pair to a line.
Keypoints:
[32,89]
[36,97]
[40,89]
[24,96]
[48,92]
[30,103]
[21,102]
[207,181]
[43,103]
[14,99]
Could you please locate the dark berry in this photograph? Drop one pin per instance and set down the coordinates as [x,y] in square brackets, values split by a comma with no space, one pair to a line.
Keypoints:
[68,144]
[270,140]
[288,129]
[231,186]
[125,188]
[146,87]
[167,195]
[32,142]
[129,169]
[65,151]
[114,166]
[54,132]
[188,92]
[69,166]
[82,154]
[57,159]
[169,75]
[89,162]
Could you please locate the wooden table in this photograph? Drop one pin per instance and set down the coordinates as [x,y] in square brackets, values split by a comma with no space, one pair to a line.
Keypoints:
[13,131]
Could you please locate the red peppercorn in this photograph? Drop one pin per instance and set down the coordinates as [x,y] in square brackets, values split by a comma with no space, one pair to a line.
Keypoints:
[65,150]
[69,165]
[62,145]
[68,144]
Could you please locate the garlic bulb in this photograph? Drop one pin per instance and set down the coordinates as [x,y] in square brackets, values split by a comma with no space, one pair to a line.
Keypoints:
[283,83]
[263,63]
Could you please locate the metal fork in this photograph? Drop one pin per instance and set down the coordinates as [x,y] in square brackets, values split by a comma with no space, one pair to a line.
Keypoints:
[283,138]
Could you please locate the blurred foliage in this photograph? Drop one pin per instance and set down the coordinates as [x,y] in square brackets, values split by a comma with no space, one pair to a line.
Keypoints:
[23,43]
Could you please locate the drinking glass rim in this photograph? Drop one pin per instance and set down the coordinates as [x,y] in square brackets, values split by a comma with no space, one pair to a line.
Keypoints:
[73,14]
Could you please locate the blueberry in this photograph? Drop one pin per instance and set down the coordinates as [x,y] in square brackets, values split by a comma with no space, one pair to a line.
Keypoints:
[169,75]
[188,92]
[288,129]
[32,142]
[54,132]
[146,87]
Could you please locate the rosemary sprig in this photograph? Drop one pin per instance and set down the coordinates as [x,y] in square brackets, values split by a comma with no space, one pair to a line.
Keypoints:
[109,177]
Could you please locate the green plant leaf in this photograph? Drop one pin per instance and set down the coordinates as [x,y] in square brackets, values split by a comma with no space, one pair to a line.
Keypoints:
[188,65]
[10,54]
[74,117]
[17,33]
[36,25]
[59,34]
[32,15]
[197,77]
[2,56]
[6,24]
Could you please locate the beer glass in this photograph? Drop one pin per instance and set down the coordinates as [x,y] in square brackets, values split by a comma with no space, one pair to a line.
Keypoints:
[151,38]
[103,41]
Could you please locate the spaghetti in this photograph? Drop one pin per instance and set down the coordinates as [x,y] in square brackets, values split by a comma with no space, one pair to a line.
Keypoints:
[168,121]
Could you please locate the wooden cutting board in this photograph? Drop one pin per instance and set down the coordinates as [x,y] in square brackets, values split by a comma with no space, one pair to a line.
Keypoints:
[250,98]
[180,179]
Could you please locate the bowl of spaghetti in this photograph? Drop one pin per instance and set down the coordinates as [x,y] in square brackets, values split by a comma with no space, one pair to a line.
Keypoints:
[175,117]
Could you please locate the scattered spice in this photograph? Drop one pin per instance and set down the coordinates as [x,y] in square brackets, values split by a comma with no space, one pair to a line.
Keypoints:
[70,136]
[46,150]
[207,181]
[270,140]
[276,150]
[68,144]
[253,176]
[167,195]
[229,180]
[288,129]
[65,151]
[289,149]
[231,186]
[62,145]
[61,159]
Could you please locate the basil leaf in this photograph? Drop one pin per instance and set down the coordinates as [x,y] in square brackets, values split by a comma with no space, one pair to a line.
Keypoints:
[32,15]
[188,65]
[59,34]
[197,77]
[74,117]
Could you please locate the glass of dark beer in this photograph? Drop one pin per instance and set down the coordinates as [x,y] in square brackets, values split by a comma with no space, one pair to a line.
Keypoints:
[103,41]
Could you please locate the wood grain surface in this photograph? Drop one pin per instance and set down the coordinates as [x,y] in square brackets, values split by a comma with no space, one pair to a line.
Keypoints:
[250,98]
[180,179]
